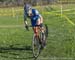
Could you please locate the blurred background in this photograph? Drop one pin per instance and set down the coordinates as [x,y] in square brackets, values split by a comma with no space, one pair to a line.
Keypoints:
[9,3]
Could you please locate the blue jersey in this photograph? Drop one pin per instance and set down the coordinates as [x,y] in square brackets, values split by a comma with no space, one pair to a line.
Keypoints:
[35,16]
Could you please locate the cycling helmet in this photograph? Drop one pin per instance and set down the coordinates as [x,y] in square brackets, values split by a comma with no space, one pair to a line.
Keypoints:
[28,8]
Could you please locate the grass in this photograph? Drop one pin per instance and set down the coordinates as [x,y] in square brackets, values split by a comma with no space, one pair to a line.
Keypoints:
[15,42]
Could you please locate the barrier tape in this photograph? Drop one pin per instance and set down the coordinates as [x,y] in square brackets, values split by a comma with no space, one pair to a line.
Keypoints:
[52,13]
[69,20]
[13,11]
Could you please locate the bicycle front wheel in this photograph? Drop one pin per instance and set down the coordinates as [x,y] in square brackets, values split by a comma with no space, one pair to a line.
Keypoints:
[35,47]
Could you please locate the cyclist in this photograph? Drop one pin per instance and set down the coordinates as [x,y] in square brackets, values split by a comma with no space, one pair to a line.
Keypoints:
[36,20]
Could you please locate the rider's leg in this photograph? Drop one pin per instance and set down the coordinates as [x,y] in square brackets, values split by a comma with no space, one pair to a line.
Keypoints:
[35,29]
[40,22]
[36,32]
[41,28]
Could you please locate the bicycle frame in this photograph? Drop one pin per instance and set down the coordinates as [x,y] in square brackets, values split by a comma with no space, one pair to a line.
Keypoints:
[35,42]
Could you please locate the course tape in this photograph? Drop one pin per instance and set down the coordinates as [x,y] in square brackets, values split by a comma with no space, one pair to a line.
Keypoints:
[62,15]
[69,20]
[13,12]
[52,13]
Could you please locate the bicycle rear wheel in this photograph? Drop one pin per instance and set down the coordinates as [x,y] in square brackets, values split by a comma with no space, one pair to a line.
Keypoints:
[44,35]
[46,30]
[35,47]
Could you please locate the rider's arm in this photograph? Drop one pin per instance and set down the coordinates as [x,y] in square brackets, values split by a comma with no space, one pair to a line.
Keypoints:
[25,22]
[25,16]
[25,19]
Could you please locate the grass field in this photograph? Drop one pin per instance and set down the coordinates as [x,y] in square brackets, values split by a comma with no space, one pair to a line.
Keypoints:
[15,41]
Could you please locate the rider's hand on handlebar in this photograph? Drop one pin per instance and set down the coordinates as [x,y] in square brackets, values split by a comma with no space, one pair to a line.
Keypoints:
[27,28]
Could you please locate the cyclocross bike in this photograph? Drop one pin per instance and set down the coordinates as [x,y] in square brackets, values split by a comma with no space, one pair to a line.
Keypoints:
[36,46]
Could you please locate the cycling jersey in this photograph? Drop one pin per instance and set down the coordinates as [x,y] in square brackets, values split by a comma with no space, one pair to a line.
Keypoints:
[35,16]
